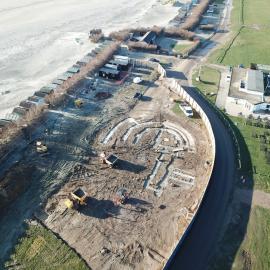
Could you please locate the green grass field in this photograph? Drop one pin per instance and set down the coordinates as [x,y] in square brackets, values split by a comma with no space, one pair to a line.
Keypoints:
[251,45]
[177,110]
[260,168]
[40,249]
[255,249]
[209,82]
[251,252]
[180,48]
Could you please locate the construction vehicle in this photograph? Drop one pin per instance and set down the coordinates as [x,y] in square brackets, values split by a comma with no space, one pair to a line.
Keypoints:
[121,196]
[78,103]
[76,199]
[41,147]
[110,159]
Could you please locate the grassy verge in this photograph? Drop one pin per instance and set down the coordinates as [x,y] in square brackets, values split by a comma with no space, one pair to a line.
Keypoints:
[250,20]
[209,82]
[176,109]
[258,142]
[243,245]
[180,48]
[249,47]
[41,249]
[254,251]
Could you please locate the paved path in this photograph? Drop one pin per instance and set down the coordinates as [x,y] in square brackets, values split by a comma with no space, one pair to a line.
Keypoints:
[195,250]
[203,236]
[224,87]
[253,197]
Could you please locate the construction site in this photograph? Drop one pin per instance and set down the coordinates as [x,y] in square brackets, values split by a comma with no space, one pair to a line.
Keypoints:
[116,172]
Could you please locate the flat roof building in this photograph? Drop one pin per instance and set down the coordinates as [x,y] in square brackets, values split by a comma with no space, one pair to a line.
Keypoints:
[255,82]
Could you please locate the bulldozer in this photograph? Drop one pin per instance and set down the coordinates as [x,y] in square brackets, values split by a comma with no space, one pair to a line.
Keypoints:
[121,196]
[76,199]
[41,147]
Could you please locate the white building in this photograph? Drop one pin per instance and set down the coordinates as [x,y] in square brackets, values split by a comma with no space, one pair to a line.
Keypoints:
[254,84]
[246,94]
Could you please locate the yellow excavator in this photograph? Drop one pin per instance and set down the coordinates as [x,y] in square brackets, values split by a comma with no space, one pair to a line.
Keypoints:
[78,103]
[76,199]
[41,147]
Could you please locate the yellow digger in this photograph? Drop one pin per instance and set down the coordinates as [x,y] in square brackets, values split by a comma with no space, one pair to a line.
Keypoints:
[78,103]
[76,199]
[41,147]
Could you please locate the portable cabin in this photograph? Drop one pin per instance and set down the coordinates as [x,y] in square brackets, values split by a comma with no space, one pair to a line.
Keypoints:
[37,100]
[40,94]
[122,65]
[112,66]
[27,104]
[47,89]
[74,69]
[20,111]
[109,73]
[5,123]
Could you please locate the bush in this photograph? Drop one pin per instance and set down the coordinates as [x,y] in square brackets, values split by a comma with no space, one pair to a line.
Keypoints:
[121,35]
[189,50]
[96,35]
[141,46]
[193,20]
[178,32]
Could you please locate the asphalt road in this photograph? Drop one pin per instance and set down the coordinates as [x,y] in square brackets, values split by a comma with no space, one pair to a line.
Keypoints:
[201,240]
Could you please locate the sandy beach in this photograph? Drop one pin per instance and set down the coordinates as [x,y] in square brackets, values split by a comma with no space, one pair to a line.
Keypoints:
[41,39]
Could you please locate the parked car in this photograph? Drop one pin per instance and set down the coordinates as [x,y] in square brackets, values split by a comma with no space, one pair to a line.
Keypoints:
[186,109]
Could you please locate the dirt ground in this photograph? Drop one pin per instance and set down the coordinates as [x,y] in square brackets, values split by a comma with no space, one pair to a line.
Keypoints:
[67,131]
[163,163]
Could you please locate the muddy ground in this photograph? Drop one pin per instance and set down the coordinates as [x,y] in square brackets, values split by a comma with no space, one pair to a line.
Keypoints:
[163,163]
[67,131]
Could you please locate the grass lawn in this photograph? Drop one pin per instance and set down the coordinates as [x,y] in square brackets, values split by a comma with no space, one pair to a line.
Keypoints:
[209,82]
[251,253]
[180,48]
[261,170]
[251,45]
[255,249]
[40,249]
[177,110]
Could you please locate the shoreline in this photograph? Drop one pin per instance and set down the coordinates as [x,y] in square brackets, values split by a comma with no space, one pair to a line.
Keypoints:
[39,67]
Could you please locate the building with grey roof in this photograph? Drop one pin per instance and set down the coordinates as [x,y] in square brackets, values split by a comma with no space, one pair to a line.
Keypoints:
[254,82]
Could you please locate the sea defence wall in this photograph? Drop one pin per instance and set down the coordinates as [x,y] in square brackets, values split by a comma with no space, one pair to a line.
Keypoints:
[175,87]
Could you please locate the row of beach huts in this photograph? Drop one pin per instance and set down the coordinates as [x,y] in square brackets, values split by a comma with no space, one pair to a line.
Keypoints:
[111,70]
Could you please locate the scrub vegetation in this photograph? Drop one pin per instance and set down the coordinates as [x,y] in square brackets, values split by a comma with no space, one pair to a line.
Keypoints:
[41,249]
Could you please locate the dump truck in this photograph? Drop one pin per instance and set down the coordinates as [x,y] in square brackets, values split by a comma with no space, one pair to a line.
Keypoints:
[41,147]
[121,196]
[76,199]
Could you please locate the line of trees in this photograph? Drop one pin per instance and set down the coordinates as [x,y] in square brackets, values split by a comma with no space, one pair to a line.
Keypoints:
[141,46]
[184,31]
[193,20]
